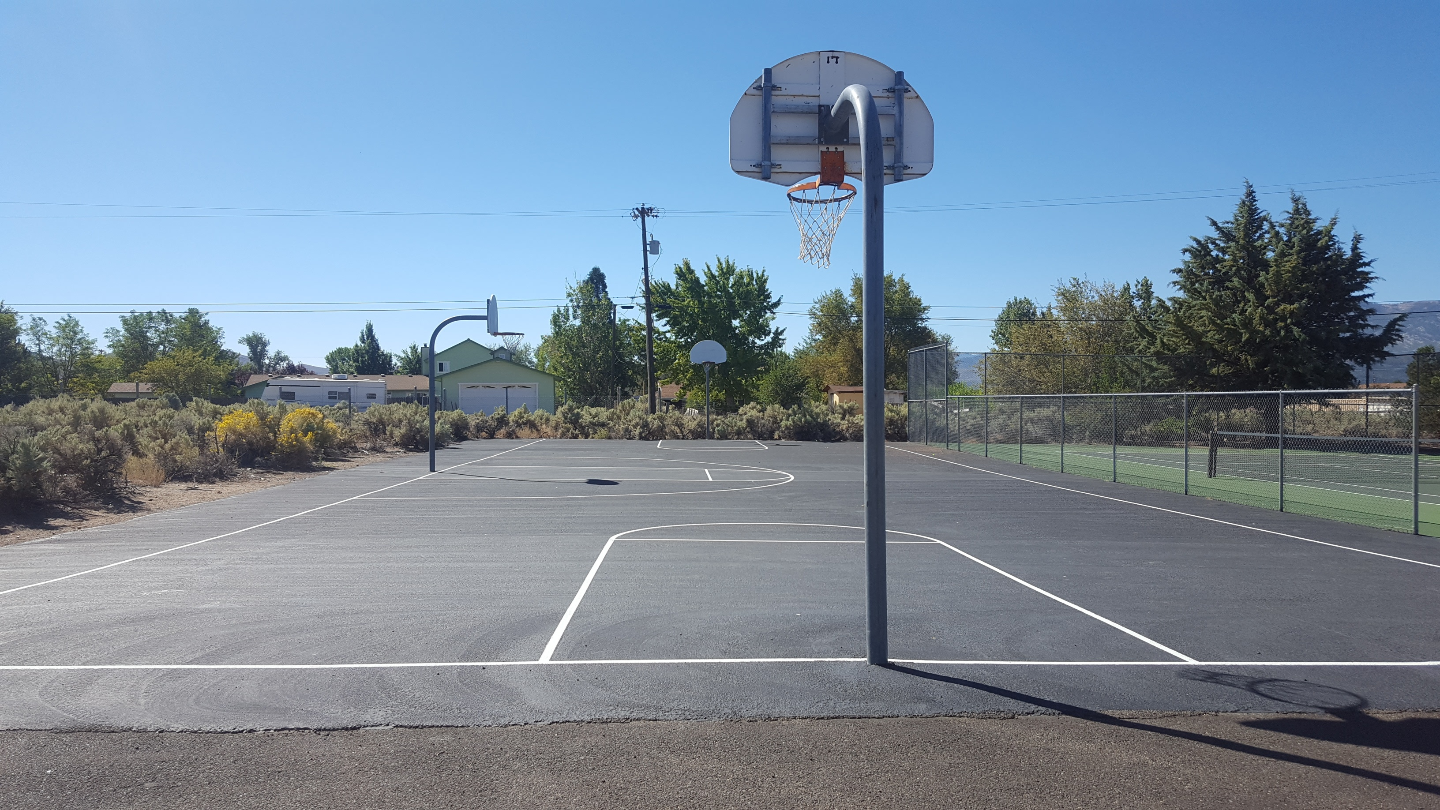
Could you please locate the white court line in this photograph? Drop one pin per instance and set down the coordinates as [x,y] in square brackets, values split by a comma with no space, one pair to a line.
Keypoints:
[660,445]
[747,540]
[708,476]
[1170,511]
[590,577]
[1122,628]
[687,661]
[256,526]
[773,482]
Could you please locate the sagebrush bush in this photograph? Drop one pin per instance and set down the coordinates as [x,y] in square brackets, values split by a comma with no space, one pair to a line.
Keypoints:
[73,450]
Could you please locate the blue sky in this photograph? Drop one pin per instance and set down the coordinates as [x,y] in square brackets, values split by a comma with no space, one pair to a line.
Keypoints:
[481,107]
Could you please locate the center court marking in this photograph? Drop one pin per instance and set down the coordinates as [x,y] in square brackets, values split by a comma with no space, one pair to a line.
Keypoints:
[257,525]
[781,478]
[660,445]
[1163,509]
[569,614]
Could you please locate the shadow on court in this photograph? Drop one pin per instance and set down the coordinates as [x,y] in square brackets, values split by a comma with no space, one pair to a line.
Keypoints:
[1353,727]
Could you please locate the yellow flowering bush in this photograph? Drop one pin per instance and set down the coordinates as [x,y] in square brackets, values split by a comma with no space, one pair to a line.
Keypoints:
[243,435]
[305,434]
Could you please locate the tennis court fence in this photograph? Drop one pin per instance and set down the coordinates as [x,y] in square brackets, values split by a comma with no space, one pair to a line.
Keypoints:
[1352,455]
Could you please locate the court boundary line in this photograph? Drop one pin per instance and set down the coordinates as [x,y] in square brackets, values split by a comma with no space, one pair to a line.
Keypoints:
[696,661]
[554,642]
[256,526]
[1168,510]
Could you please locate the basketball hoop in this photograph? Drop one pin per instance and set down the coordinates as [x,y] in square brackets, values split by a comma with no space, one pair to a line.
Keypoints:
[819,205]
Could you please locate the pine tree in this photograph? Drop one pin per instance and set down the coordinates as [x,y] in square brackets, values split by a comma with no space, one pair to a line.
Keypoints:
[1267,305]
[368,357]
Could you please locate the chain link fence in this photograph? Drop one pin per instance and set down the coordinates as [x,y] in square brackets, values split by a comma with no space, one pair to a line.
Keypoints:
[1359,455]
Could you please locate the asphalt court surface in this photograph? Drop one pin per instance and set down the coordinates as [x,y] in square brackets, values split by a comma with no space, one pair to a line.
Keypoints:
[533,581]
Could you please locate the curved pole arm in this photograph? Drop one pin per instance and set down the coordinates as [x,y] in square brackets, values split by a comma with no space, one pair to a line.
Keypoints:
[434,335]
[856,100]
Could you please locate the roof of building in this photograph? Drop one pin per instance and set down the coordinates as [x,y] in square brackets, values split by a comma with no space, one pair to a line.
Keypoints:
[670,391]
[393,382]
[844,389]
[132,387]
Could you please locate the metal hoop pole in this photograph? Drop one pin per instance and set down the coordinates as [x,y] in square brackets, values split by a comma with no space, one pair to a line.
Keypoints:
[856,100]
[434,335]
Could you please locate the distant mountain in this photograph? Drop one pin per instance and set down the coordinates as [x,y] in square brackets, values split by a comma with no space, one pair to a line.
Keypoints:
[1422,328]
[312,369]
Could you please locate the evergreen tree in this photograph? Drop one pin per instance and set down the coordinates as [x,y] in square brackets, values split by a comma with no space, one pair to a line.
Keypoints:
[368,357]
[14,358]
[1266,305]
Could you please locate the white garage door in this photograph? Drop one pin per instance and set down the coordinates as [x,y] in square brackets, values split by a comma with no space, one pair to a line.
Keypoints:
[486,397]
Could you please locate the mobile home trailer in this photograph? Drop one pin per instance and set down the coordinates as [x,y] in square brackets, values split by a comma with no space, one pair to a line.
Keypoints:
[337,389]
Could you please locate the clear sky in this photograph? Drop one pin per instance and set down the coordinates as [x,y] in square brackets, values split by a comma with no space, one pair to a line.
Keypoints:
[544,107]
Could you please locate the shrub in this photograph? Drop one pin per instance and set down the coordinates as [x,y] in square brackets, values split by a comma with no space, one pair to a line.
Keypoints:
[305,435]
[242,434]
[23,469]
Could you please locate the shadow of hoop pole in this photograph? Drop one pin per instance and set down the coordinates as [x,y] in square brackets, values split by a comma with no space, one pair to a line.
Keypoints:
[492,325]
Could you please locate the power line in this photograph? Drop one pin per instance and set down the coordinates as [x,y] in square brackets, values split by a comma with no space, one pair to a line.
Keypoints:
[211,212]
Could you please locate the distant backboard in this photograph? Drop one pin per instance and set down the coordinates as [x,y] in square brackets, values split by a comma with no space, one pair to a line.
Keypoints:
[707,351]
[802,90]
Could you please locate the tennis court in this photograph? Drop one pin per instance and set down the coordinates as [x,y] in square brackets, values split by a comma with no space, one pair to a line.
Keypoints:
[542,581]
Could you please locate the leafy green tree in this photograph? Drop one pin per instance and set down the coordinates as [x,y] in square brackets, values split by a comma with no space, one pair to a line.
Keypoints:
[1266,305]
[140,338]
[411,360]
[193,330]
[1016,313]
[369,358]
[832,353]
[341,360]
[257,350]
[64,354]
[280,363]
[587,349]
[784,383]
[725,303]
[189,373]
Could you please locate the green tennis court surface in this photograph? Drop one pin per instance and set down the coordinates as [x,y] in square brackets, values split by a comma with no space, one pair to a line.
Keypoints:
[1367,489]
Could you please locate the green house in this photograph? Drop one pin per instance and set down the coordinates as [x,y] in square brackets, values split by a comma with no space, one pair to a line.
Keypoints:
[476,379]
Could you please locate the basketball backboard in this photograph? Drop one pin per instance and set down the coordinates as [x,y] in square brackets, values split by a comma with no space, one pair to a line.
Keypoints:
[801,92]
[707,351]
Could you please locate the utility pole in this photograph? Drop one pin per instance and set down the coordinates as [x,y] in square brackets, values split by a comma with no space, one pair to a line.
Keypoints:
[641,212]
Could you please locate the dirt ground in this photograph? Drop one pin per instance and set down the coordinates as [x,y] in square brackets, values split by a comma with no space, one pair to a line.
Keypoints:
[53,520]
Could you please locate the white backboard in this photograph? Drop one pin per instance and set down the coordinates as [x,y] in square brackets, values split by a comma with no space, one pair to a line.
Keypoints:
[707,351]
[802,85]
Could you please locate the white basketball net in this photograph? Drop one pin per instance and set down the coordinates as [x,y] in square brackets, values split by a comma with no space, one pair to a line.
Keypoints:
[818,212]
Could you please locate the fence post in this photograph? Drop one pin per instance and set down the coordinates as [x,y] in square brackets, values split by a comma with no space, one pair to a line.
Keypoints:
[987,425]
[925,397]
[1415,454]
[1062,428]
[1281,442]
[1114,439]
[1185,436]
[1022,430]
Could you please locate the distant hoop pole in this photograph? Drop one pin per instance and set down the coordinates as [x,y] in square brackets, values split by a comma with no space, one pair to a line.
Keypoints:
[856,100]
[434,335]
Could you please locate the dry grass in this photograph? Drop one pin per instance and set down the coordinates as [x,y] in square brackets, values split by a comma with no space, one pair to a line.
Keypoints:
[144,472]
